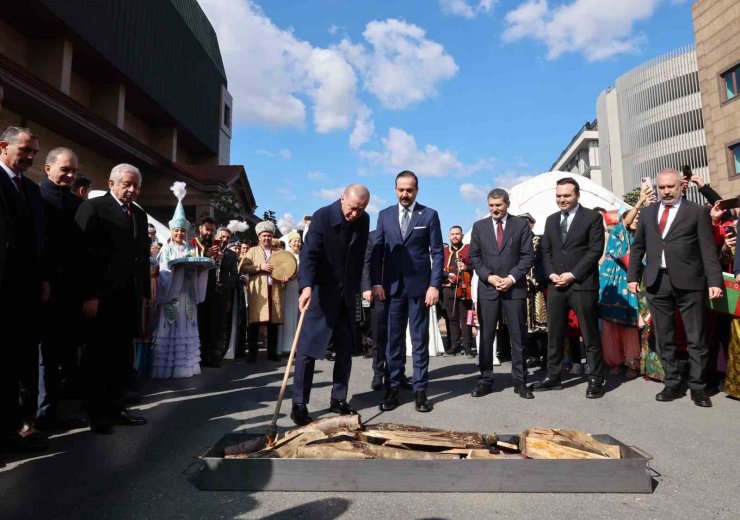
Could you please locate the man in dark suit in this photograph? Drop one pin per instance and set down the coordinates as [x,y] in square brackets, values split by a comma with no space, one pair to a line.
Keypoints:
[117,287]
[501,252]
[680,269]
[329,279]
[62,319]
[572,244]
[378,325]
[407,235]
[22,286]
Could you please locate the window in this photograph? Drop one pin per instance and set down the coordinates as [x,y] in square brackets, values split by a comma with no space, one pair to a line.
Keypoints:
[731,80]
[733,158]
[227,116]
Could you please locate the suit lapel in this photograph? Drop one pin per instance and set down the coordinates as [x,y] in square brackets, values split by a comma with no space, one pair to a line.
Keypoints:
[577,218]
[678,217]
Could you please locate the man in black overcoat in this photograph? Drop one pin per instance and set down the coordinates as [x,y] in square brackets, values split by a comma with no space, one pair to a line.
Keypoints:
[117,288]
[329,278]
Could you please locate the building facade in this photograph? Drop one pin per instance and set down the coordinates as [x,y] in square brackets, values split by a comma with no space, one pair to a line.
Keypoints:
[652,119]
[717,35]
[131,81]
[581,156]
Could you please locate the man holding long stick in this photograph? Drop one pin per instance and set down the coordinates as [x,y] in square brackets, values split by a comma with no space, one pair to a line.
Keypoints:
[328,280]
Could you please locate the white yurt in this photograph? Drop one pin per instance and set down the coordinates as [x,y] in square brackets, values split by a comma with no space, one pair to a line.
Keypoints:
[536,196]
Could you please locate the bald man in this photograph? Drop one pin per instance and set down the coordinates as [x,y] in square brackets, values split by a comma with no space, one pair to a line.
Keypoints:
[329,279]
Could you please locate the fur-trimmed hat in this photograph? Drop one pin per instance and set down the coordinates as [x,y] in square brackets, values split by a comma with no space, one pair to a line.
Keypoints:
[266,226]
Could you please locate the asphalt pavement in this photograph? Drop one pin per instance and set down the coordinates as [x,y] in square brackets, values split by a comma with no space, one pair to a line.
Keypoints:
[145,472]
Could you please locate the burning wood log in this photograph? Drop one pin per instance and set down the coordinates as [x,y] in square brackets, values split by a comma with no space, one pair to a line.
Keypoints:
[544,443]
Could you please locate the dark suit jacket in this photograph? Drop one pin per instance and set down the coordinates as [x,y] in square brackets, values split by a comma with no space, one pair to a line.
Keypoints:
[515,258]
[331,264]
[22,233]
[117,248]
[580,254]
[395,258]
[365,285]
[690,250]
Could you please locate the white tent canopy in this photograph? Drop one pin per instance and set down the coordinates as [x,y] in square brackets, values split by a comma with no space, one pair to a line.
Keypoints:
[536,196]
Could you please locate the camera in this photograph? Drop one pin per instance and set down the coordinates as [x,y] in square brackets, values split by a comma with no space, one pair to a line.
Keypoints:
[729,231]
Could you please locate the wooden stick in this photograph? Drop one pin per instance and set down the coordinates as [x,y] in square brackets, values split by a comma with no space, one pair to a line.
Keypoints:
[272,429]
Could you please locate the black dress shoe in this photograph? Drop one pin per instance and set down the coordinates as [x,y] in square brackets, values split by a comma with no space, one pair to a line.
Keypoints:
[391,401]
[342,407]
[101,426]
[701,399]
[123,418]
[406,383]
[210,363]
[523,391]
[55,422]
[668,394]
[299,415]
[329,356]
[377,383]
[422,403]
[17,443]
[480,390]
[595,389]
[547,384]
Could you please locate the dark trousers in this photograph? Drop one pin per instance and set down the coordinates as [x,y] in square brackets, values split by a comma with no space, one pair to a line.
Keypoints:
[663,298]
[212,322]
[403,309]
[489,315]
[304,365]
[253,333]
[379,335]
[107,356]
[585,306]
[459,332]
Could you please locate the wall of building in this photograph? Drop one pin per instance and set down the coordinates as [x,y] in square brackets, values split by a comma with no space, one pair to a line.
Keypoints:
[716,24]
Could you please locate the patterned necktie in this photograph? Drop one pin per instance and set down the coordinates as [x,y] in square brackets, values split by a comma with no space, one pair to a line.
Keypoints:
[564,225]
[405,219]
[499,233]
[126,210]
[18,183]
[663,219]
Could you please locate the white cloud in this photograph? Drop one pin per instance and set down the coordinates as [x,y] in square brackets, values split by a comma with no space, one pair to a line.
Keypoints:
[273,74]
[510,179]
[317,176]
[403,66]
[465,9]
[363,130]
[285,153]
[598,29]
[286,224]
[472,193]
[333,29]
[287,194]
[401,152]
[331,194]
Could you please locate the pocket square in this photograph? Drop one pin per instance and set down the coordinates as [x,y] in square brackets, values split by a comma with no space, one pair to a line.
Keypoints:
[420,227]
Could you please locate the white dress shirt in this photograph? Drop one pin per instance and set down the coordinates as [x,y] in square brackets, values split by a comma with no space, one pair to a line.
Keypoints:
[11,174]
[671,217]
[495,231]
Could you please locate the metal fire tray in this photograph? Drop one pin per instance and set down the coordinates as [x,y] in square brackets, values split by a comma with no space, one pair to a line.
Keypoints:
[630,474]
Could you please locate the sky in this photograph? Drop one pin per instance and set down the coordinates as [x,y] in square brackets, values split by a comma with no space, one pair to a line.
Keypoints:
[469,94]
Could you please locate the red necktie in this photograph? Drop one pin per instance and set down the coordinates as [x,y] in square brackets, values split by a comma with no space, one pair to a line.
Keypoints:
[663,219]
[499,234]
[127,210]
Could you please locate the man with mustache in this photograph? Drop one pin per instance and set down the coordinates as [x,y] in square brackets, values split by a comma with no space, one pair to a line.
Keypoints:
[22,290]
[681,270]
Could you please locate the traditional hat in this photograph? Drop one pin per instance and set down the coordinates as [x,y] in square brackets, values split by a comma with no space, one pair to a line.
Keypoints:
[528,217]
[178,219]
[265,226]
[292,236]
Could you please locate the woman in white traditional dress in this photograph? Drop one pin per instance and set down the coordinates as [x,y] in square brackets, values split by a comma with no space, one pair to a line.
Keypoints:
[290,322]
[180,289]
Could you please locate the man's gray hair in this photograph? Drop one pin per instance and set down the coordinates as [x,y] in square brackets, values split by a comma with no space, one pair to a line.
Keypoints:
[673,171]
[10,135]
[359,191]
[54,154]
[498,193]
[117,172]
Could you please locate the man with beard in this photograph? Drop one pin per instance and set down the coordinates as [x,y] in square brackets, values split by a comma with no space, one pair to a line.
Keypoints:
[62,321]
[212,312]
[456,303]
[22,229]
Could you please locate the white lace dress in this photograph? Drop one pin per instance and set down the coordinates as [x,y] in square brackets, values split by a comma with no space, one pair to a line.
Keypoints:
[179,291]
